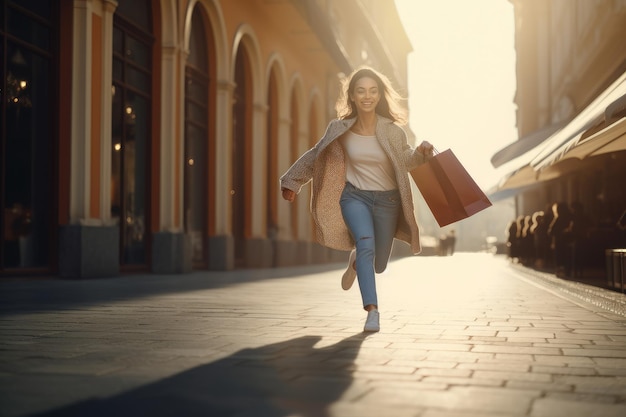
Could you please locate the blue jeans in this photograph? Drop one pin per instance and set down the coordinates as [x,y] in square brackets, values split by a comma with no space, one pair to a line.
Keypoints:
[371,217]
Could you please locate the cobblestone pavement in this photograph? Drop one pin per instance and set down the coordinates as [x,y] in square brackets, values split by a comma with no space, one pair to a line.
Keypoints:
[461,336]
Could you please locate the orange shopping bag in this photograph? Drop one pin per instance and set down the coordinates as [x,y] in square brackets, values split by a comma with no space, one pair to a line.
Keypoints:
[449,191]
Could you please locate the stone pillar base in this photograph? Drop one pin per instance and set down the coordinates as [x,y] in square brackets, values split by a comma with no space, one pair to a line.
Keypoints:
[221,256]
[89,251]
[319,254]
[305,252]
[171,253]
[259,253]
[286,253]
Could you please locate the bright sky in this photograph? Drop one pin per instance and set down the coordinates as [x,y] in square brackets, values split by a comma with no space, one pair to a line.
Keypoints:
[462,78]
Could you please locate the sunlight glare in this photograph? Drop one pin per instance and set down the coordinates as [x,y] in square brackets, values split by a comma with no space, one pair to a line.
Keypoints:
[462,78]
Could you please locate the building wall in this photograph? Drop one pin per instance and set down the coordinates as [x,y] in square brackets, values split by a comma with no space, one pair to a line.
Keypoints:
[568,52]
[176,166]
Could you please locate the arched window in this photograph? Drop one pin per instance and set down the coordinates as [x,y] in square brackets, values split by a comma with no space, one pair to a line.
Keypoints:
[272,156]
[241,159]
[131,133]
[295,151]
[196,140]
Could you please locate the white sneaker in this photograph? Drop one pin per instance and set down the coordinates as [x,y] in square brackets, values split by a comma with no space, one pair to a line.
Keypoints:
[348,277]
[372,323]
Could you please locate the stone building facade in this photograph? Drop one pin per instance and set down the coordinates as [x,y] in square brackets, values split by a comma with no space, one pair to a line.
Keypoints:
[149,135]
[571,117]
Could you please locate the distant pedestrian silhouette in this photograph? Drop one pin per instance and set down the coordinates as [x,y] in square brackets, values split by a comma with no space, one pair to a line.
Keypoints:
[447,243]
[560,231]
[541,242]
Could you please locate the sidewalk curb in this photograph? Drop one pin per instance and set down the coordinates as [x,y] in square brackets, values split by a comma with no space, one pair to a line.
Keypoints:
[608,300]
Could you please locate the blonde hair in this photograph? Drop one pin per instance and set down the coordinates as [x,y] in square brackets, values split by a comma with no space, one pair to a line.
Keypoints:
[389,105]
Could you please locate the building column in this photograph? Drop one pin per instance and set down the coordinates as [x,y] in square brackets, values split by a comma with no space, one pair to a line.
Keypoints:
[89,243]
[286,247]
[303,234]
[258,247]
[221,244]
[171,246]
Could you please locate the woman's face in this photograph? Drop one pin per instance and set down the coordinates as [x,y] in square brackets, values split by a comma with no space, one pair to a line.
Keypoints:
[366,95]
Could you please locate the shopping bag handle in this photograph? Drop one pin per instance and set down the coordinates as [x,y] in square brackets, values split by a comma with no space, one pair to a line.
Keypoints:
[435,151]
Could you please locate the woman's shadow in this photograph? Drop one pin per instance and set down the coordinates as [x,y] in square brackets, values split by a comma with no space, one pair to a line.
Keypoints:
[277,380]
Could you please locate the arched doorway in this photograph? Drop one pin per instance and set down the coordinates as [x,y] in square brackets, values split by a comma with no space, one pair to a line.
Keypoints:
[131,129]
[241,155]
[199,113]
[28,120]
[294,135]
[272,163]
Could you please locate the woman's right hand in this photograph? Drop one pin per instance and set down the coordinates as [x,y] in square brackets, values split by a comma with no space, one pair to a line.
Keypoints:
[289,195]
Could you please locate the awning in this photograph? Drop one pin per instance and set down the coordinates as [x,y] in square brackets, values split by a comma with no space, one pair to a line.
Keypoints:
[566,138]
[594,131]
[521,177]
[495,194]
[610,139]
[523,145]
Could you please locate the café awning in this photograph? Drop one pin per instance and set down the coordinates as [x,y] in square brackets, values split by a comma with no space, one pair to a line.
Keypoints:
[608,140]
[565,139]
[523,145]
[599,128]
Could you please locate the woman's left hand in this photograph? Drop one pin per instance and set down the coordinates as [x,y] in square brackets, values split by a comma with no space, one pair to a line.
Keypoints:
[288,195]
[426,148]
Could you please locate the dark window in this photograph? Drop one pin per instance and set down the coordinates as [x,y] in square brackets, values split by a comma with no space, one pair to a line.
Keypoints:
[131,120]
[27,34]
[196,141]
[241,111]
[272,159]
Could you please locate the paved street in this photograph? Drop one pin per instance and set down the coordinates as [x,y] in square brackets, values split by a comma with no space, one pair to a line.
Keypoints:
[467,335]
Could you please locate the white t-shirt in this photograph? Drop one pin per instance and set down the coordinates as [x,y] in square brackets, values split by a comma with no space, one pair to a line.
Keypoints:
[367,165]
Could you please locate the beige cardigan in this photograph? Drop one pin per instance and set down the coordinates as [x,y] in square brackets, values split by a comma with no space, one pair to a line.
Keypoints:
[324,165]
